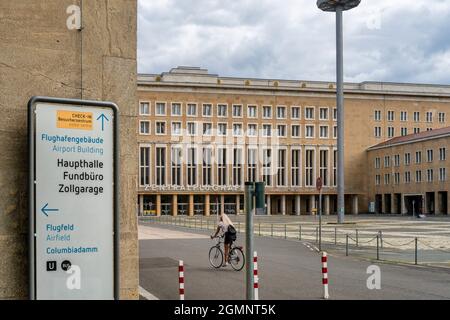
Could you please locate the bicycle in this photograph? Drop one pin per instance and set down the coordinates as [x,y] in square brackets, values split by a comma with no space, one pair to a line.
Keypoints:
[236,255]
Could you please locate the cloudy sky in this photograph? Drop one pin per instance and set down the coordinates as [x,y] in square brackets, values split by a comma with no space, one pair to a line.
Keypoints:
[385,40]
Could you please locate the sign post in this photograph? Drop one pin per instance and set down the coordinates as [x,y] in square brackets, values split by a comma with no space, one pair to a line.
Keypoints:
[73,199]
[319,188]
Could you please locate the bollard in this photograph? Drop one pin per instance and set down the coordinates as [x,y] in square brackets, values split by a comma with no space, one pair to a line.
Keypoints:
[181,279]
[285,231]
[335,236]
[317,234]
[259,228]
[325,275]
[346,244]
[271,230]
[378,251]
[357,242]
[415,251]
[255,276]
[381,238]
[300,232]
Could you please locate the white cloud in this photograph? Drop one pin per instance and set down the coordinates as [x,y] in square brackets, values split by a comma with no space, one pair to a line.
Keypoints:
[385,40]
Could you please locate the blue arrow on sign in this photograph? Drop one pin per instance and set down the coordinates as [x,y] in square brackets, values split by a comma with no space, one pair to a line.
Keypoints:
[46,210]
[103,118]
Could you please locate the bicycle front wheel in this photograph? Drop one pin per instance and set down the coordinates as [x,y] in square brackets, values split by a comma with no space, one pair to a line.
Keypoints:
[237,259]
[216,257]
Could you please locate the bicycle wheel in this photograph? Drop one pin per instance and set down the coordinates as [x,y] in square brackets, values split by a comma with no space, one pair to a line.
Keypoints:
[215,257]
[237,258]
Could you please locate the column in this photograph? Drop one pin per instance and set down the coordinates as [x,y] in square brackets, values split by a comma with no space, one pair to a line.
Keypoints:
[222,204]
[312,201]
[355,209]
[448,204]
[383,203]
[158,205]
[207,205]
[326,205]
[283,205]
[191,205]
[268,205]
[238,204]
[174,205]
[437,203]
[297,204]
[403,205]
[141,205]
[393,206]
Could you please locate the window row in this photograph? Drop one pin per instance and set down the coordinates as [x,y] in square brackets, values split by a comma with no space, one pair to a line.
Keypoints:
[407,158]
[396,177]
[391,132]
[429,116]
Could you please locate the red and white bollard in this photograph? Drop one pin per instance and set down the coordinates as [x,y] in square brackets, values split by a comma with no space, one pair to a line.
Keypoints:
[325,275]
[255,275]
[181,279]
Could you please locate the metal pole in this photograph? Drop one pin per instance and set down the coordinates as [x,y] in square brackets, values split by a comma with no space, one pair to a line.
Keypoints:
[285,231]
[320,220]
[357,241]
[378,250]
[415,251]
[346,244]
[335,236]
[340,112]
[259,228]
[299,232]
[271,230]
[249,202]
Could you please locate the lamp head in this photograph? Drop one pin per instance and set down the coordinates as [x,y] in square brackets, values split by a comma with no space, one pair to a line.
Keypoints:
[331,5]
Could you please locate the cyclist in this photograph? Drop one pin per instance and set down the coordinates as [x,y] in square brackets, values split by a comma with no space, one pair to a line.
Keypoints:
[226,227]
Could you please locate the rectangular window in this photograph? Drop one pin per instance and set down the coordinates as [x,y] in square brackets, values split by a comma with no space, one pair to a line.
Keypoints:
[335,132]
[407,159]
[281,130]
[430,175]
[387,161]
[397,160]
[396,178]
[176,166]
[429,116]
[418,176]
[418,157]
[309,113]
[267,130]
[237,111]
[252,111]
[377,163]
[222,129]
[192,166]
[309,168]
[323,114]
[430,155]
[416,116]
[335,114]
[442,174]
[192,109]
[441,117]
[222,166]
[160,127]
[404,131]
[295,167]
[295,131]
[267,165]
[407,177]
[176,109]
[403,116]
[391,116]
[237,129]
[144,166]
[145,127]
[144,109]
[391,132]
[387,178]
[324,166]
[160,109]
[377,132]
[252,155]
[377,116]
[281,112]
[207,128]
[192,128]
[176,128]
[281,170]
[160,166]
[377,180]
[207,110]
[207,167]
[237,166]
[323,132]
[295,113]
[267,112]
[416,130]
[309,131]
[442,154]
[252,130]
[222,110]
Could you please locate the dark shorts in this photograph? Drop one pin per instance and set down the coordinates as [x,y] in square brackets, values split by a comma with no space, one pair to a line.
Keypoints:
[228,239]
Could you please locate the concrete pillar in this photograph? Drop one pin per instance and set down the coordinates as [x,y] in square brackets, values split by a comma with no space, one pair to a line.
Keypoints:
[174,205]
[326,205]
[158,205]
[403,205]
[312,201]
[437,203]
[355,208]
[222,204]
[283,205]
[268,205]
[393,206]
[448,204]
[238,203]
[297,204]
[207,205]
[383,203]
[191,205]
[141,205]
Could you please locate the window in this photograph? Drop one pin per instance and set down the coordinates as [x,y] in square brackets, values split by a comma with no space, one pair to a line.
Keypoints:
[237,111]
[442,174]
[418,156]
[323,132]
[309,168]
[295,167]
[387,161]
[267,112]
[407,177]
[323,158]
[442,154]
[160,109]
[377,132]
[295,113]
[387,178]
[397,160]
[295,131]
[309,113]
[267,130]
[252,111]
[144,166]
[403,116]
[391,132]
[207,110]
[281,170]
[416,116]
[160,166]
[335,114]
[430,175]
[404,131]
[160,127]
[323,113]
[192,166]
[221,166]
[207,128]
[267,165]
[191,109]
[334,179]
[407,159]
[335,132]
[176,128]
[281,112]
[309,131]
[429,116]
[418,176]
[377,116]
[221,129]
[222,110]
[176,109]
[377,163]
[416,130]
[441,117]
[429,129]
[430,155]
[207,167]
[176,166]
[252,155]
[377,180]
[391,116]
[237,129]
[252,129]
[281,130]
[192,128]
[237,166]
[396,178]
[144,108]
[145,127]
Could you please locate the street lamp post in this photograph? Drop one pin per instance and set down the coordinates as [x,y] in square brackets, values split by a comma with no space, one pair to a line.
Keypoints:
[339,6]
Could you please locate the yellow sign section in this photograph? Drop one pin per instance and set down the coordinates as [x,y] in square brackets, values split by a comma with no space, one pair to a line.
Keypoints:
[74,120]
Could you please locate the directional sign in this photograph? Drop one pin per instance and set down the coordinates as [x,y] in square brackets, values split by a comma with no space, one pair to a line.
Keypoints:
[319,183]
[73,208]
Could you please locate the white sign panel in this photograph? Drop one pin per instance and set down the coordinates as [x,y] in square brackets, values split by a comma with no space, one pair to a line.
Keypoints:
[74,202]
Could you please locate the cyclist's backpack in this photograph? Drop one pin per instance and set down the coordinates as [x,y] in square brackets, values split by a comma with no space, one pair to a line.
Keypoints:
[232,232]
